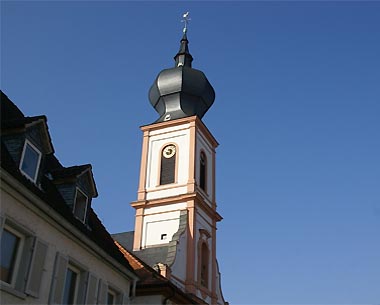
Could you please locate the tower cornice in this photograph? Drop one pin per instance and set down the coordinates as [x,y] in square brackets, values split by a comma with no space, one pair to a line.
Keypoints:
[193,197]
[196,121]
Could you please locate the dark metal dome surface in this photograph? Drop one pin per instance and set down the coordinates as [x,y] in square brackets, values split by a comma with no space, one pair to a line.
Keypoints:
[181,91]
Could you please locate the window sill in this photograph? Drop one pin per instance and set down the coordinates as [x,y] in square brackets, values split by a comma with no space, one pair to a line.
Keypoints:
[9,289]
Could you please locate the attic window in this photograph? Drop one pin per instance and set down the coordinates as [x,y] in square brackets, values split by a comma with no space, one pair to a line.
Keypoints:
[80,206]
[30,161]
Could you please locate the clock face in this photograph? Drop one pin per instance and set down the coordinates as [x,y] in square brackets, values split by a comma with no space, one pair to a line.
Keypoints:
[169,151]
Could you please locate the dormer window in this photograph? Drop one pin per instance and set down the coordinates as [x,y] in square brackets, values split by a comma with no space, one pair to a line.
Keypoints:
[80,205]
[30,161]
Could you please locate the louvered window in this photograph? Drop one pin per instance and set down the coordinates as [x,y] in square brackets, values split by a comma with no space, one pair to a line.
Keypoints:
[168,160]
[92,290]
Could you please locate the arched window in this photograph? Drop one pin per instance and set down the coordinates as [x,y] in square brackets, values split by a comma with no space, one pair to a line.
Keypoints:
[168,158]
[204,265]
[202,171]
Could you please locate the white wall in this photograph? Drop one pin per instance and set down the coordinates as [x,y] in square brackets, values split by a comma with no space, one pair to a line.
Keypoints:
[158,139]
[161,220]
[22,211]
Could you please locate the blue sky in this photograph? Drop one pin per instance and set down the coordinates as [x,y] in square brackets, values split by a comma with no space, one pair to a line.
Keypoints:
[297,115]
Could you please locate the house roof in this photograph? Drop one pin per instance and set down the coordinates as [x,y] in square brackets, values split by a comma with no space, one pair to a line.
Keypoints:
[47,192]
[151,282]
[20,122]
[150,256]
[14,121]
[163,254]
[72,171]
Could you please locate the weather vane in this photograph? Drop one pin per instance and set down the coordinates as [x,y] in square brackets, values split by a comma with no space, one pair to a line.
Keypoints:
[186,20]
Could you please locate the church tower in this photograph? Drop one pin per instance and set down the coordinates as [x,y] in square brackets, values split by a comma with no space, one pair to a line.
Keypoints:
[176,217]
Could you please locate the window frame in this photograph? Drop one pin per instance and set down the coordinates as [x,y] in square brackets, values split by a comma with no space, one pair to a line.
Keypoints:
[19,253]
[30,261]
[117,293]
[62,264]
[114,294]
[75,203]
[175,172]
[77,271]
[27,142]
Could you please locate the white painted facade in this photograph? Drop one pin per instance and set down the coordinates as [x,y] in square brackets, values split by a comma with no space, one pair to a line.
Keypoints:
[32,217]
[160,224]
[180,137]
[159,208]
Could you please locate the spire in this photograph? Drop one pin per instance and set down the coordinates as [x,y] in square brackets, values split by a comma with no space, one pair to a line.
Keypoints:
[183,57]
[181,91]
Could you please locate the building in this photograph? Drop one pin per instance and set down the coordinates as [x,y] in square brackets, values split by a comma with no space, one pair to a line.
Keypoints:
[54,248]
[176,217]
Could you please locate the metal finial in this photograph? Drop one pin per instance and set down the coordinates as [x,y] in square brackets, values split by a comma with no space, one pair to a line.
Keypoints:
[186,20]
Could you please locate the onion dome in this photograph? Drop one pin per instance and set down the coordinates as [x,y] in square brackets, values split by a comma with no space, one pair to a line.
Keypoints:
[181,91]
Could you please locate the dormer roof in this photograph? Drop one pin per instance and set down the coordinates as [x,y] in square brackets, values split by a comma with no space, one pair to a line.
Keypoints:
[13,121]
[73,173]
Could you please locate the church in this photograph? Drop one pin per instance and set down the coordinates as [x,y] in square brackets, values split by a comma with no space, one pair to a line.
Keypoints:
[54,248]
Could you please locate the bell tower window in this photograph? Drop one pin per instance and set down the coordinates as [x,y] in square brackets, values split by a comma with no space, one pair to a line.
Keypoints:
[168,160]
[202,171]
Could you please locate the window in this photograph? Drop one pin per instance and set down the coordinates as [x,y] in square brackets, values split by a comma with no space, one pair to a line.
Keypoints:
[11,244]
[111,297]
[109,294]
[204,265]
[71,284]
[30,161]
[202,171]
[168,160]
[22,259]
[80,205]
